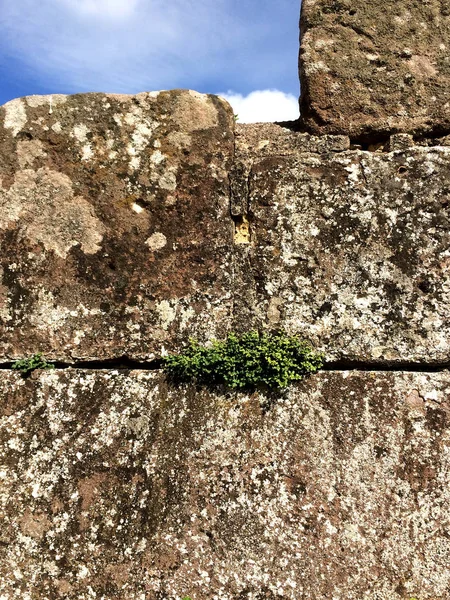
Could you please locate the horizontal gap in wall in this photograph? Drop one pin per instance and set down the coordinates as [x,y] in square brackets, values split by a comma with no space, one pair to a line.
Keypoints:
[374,138]
[122,363]
[391,366]
[128,364]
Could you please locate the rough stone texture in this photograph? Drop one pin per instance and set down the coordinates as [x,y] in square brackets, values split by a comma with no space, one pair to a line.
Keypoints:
[350,249]
[371,68]
[114,223]
[114,485]
[117,217]
[117,237]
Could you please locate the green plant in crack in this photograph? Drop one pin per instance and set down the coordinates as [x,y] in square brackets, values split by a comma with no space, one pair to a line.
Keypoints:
[27,365]
[271,359]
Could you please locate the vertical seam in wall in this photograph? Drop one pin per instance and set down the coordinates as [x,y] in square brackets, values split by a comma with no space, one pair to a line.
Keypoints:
[230,205]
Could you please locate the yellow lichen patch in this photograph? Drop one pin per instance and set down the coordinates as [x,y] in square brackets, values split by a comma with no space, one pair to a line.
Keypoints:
[242,231]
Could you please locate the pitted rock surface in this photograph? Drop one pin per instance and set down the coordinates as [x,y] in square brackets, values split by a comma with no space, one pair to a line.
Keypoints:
[372,68]
[115,233]
[117,216]
[348,248]
[116,485]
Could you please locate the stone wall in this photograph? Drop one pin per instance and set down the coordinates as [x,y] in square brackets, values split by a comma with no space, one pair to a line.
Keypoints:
[129,224]
[374,68]
[116,485]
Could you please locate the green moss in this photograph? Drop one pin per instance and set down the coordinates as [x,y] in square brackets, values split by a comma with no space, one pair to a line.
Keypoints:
[271,359]
[27,365]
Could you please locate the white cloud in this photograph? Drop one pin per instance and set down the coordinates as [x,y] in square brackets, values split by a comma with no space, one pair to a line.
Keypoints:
[103,8]
[129,46]
[263,106]
[120,45]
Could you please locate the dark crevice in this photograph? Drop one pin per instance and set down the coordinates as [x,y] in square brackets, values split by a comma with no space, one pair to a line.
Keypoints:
[127,364]
[373,143]
[294,126]
[123,363]
[239,199]
[370,139]
[120,363]
[437,131]
[388,366]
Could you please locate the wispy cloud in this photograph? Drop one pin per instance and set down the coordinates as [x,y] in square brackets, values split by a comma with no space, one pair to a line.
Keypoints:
[264,106]
[115,9]
[116,44]
[134,45]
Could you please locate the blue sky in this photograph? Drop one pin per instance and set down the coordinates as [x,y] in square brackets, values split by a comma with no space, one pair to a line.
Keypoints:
[246,50]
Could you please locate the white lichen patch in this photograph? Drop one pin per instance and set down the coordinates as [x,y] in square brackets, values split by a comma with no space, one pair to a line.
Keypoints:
[157,157]
[141,135]
[165,177]
[318,66]
[186,317]
[135,162]
[49,316]
[80,132]
[15,115]
[156,241]
[47,211]
[46,100]
[87,152]
[354,172]
[166,313]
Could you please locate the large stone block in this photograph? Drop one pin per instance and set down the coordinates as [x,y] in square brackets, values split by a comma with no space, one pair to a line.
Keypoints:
[371,68]
[348,248]
[116,485]
[115,232]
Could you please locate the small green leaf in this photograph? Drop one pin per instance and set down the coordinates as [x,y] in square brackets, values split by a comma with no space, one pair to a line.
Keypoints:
[27,365]
[271,359]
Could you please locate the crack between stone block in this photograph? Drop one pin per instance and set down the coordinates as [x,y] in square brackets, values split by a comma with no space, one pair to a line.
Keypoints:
[344,365]
[242,225]
[124,363]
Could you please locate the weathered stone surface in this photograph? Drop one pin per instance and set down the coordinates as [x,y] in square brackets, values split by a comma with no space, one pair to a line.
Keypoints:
[102,258]
[371,68]
[115,232]
[350,249]
[115,485]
